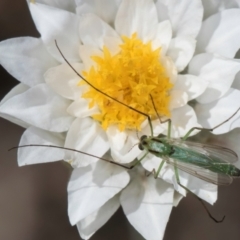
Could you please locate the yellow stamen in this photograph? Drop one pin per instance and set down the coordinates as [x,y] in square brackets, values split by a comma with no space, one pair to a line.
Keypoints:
[129,76]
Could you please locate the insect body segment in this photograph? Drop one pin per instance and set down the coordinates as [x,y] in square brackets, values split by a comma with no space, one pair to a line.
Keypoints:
[157,146]
[207,162]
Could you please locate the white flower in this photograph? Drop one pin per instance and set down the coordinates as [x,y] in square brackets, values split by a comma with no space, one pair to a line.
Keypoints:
[129,49]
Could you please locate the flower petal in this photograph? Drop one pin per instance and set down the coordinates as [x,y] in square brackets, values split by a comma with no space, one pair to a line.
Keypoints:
[218,71]
[98,183]
[106,13]
[33,155]
[183,119]
[93,29]
[147,203]
[41,107]
[20,88]
[137,16]
[116,137]
[112,44]
[123,145]
[178,99]
[219,34]
[202,189]
[63,80]
[190,84]
[213,6]
[87,136]
[68,5]
[236,83]
[55,24]
[214,113]
[89,225]
[26,59]
[80,108]
[162,10]
[163,36]
[177,198]
[86,52]
[185,16]
[181,50]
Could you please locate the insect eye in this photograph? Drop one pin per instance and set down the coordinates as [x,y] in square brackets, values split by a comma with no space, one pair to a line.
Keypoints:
[140,146]
[142,138]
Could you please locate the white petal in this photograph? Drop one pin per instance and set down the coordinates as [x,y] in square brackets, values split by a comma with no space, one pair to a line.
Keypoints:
[183,119]
[80,109]
[202,189]
[112,44]
[177,198]
[157,128]
[218,71]
[192,85]
[170,68]
[68,5]
[26,59]
[137,16]
[147,203]
[91,187]
[213,6]
[89,225]
[87,136]
[236,83]
[162,10]
[220,34]
[185,16]
[178,99]
[214,113]
[116,137]
[86,52]
[20,88]
[63,80]
[41,107]
[93,29]
[106,13]
[163,36]
[181,50]
[62,26]
[33,155]
[127,150]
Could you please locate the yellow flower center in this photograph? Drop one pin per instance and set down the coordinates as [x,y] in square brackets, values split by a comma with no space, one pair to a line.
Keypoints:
[130,76]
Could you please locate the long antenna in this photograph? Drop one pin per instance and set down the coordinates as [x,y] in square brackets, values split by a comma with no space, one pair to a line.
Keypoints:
[73,150]
[105,94]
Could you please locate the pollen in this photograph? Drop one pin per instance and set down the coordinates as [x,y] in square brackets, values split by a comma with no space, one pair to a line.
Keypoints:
[130,76]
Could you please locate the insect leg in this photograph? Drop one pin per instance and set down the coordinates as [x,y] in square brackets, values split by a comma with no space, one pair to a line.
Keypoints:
[209,129]
[160,120]
[156,173]
[139,160]
[199,199]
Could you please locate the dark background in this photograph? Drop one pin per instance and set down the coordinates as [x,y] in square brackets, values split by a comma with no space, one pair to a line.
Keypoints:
[33,199]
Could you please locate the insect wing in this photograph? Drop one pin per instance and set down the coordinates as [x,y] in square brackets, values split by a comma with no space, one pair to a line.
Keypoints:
[212,152]
[202,173]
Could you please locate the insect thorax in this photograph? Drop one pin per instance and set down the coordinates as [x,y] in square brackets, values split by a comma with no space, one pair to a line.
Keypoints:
[155,145]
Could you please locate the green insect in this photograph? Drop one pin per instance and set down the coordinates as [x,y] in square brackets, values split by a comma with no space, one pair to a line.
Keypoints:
[210,163]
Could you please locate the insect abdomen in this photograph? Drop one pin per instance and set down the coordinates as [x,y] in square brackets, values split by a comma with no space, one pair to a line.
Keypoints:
[225,168]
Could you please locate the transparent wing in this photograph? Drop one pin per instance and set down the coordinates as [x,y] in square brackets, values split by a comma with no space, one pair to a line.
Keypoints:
[211,151]
[202,173]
